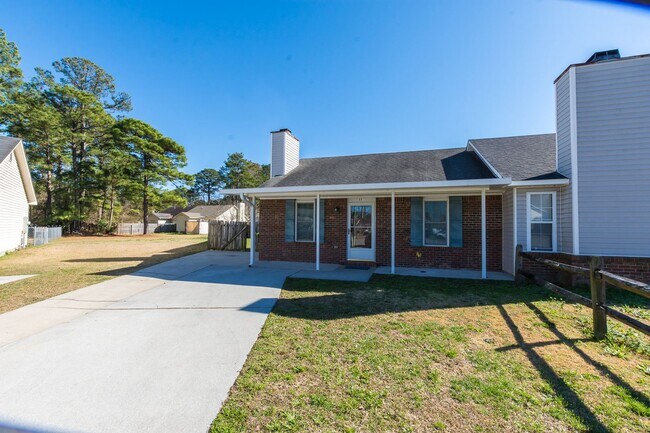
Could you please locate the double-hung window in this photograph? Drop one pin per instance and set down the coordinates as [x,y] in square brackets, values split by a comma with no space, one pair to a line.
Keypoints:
[305,221]
[436,222]
[541,221]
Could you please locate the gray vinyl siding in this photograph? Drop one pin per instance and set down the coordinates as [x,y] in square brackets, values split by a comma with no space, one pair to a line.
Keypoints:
[565,220]
[613,125]
[562,107]
[564,196]
[507,244]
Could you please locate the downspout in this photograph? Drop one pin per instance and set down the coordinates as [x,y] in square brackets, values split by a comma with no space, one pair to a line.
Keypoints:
[250,203]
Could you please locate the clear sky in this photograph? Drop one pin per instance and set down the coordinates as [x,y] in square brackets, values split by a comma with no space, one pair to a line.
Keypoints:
[345,76]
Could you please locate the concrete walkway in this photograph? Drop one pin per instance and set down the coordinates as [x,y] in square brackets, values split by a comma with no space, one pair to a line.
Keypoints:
[4,279]
[157,350]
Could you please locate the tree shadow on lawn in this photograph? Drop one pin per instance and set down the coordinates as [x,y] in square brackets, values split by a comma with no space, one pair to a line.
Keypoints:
[145,261]
[395,294]
[392,294]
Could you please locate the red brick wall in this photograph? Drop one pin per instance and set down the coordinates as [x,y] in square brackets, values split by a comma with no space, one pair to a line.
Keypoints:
[637,268]
[466,257]
[273,247]
[271,234]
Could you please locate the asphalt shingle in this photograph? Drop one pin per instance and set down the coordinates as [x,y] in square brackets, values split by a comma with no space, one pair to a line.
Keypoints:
[527,157]
[417,166]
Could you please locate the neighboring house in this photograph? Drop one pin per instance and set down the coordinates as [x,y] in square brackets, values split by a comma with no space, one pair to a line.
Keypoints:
[16,194]
[160,218]
[583,191]
[222,212]
[175,210]
[188,222]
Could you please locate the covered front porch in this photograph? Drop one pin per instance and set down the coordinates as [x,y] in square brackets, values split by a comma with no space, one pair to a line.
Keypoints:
[446,232]
[336,272]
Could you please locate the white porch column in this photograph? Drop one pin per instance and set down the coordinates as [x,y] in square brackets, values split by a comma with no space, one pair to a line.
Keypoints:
[253,224]
[317,216]
[483,237]
[392,232]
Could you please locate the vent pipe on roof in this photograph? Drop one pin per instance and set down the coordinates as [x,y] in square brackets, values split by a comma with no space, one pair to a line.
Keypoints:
[285,152]
[602,56]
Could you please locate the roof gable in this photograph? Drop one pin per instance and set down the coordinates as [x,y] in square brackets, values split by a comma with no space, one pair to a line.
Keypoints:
[9,145]
[211,211]
[527,157]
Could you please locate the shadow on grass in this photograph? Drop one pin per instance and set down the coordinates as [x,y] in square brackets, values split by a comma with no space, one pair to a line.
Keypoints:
[330,300]
[395,294]
[145,262]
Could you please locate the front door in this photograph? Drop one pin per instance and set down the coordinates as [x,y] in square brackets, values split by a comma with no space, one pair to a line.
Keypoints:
[361,230]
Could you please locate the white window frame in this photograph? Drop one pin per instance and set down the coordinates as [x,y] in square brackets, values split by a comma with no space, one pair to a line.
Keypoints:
[295,213]
[529,221]
[424,221]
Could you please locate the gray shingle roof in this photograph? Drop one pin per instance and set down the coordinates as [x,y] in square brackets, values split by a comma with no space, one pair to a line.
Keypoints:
[527,157]
[7,145]
[163,215]
[211,211]
[417,166]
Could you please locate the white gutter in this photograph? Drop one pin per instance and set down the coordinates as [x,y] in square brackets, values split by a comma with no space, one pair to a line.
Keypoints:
[543,182]
[370,186]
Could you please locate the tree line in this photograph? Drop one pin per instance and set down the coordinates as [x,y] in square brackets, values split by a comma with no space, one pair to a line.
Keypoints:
[92,165]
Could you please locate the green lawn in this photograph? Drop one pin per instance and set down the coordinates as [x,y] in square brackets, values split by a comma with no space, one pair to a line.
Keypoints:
[73,262]
[414,354]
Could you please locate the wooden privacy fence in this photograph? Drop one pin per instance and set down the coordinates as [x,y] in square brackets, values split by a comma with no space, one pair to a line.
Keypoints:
[598,280]
[228,235]
[135,228]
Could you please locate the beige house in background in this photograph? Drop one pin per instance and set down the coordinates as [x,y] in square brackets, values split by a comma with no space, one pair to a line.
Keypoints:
[16,194]
[188,222]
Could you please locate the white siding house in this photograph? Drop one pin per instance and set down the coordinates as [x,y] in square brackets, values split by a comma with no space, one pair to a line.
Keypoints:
[16,194]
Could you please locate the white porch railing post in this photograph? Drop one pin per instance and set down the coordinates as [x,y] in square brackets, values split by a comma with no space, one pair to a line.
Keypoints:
[483,237]
[317,216]
[392,232]
[252,252]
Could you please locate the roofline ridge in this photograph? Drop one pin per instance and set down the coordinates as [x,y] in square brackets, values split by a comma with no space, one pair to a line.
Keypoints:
[384,153]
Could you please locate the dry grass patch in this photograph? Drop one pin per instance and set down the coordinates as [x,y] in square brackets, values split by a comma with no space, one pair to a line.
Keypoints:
[73,262]
[416,354]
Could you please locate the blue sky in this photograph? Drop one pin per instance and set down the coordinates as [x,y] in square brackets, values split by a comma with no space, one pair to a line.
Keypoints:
[346,76]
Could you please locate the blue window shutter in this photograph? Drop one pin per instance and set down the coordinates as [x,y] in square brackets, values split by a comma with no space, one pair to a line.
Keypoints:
[321,218]
[290,221]
[416,221]
[456,221]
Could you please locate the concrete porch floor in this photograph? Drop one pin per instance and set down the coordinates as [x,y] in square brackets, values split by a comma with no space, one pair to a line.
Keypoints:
[327,271]
[467,274]
[335,272]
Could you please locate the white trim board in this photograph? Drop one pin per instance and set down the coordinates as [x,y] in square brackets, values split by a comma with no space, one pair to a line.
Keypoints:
[484,160]
[573,119]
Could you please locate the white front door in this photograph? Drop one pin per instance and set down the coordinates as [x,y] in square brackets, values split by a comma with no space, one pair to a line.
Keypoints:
[361,229]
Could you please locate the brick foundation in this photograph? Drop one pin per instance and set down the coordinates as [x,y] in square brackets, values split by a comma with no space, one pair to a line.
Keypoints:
[637,268]
[272,245]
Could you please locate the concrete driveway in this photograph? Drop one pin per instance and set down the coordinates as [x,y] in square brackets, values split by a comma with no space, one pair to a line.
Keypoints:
[157,350]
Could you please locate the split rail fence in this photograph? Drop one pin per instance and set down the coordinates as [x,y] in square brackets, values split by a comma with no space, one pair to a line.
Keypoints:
[598,279]
[228,235]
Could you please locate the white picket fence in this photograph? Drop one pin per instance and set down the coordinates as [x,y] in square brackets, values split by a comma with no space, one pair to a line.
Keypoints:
[43,235]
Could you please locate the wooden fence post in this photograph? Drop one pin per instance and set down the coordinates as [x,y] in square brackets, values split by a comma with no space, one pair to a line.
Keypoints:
[519,263]
[598,298]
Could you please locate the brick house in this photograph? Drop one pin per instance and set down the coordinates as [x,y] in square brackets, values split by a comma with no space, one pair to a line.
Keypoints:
[570,194]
